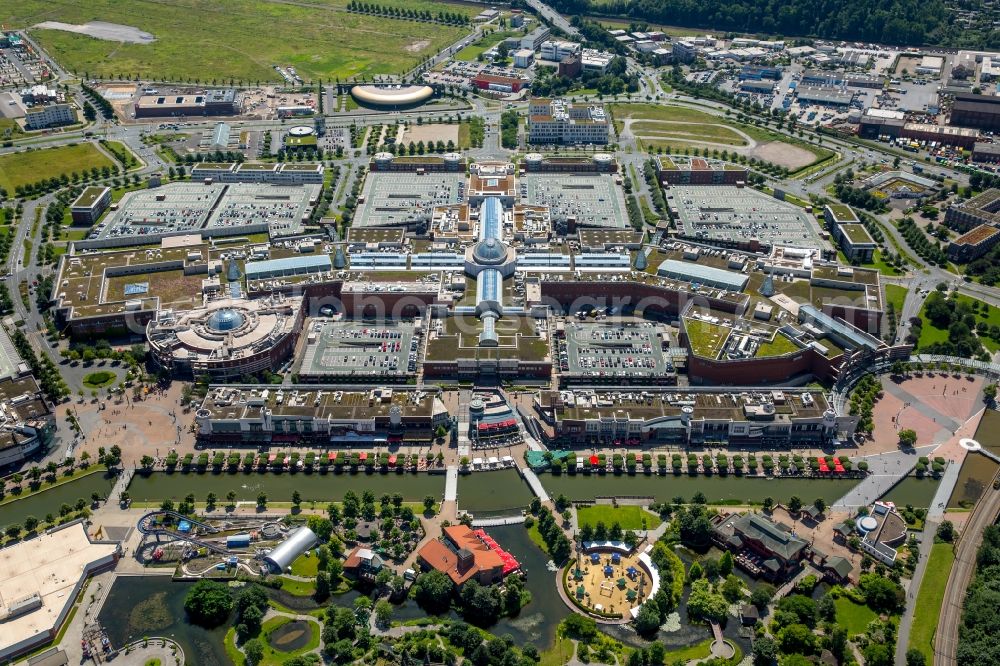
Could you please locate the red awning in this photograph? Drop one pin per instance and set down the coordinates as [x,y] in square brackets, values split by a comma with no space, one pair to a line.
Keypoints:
[363,456]
[392,459]
[594,460]
[331,456]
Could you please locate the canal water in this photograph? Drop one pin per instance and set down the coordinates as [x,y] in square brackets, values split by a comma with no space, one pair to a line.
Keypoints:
[314,487]
[500,491]
[46,501]
[978,471]
[918,493]
[142,606]
[715,488]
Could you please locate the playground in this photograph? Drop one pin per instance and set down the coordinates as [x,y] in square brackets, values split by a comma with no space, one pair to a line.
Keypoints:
[609,582]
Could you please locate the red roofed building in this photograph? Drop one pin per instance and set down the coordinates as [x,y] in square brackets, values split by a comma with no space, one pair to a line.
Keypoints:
[498,82]
[462,556]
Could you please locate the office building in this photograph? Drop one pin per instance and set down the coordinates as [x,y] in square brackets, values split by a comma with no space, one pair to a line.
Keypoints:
[555,121]
[523,58]
[51,115]
[685,51]
[973,244]
[209,103]
[90,204]
[555,50]
[533,40]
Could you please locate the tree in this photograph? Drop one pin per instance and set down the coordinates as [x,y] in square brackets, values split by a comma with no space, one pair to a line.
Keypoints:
[322,585]
[705,604]
[801,607]
[253,650]
[915,657]
[907,438]
[990,392]
[726,564]
[797,639]
[383,613]
[208,603]
[820,504]
[764,651]
[648,620]
[761,595]
[432,592]
[881,594]
[794,505]
[946,531]
[428,503]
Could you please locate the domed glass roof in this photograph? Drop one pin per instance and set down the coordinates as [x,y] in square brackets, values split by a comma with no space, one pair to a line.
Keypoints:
[490,251]
[226,319]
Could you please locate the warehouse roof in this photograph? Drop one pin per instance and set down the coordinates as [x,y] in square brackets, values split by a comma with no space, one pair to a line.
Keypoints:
[698,273]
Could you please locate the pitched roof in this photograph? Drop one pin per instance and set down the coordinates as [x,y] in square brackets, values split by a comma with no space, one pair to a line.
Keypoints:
[445,557]
[771,535]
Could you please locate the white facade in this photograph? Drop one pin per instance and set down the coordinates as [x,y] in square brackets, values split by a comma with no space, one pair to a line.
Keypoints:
[277,174]
[555,121]
[39,117]
[523,58]
[555,50]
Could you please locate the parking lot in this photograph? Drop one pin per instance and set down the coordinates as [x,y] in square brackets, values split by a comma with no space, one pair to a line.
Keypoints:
[729,213]
[593,200]
[392,199]
[629,349]
[347,349]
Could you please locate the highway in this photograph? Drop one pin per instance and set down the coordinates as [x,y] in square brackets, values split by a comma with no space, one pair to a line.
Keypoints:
[946,638]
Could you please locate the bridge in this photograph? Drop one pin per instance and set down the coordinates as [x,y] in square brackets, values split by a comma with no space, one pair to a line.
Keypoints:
[153,524]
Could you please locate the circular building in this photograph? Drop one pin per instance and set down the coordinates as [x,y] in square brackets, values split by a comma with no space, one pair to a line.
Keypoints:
[301,130]
[227,338]
[391,96]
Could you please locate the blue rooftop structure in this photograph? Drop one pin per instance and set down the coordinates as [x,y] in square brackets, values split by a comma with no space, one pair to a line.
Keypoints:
[489,288]
[226,319]
[488,336]
[313,263]
[490,216]
[838,329]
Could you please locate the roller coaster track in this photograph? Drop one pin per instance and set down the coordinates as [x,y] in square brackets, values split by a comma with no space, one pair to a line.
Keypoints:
[149,526]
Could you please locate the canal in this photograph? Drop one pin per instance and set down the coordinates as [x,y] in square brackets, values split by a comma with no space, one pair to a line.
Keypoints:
[918,493]
[978,471]
[717,489]
[314,487]
[500,491]
[142,606]
[49,500]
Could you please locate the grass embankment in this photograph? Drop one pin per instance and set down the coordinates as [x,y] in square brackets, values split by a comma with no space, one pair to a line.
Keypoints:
[628,517]
[930,598]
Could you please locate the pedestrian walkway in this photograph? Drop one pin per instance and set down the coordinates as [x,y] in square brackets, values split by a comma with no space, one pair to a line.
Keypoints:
[496,522]
[535,484]
[451,484]
[944,490]
[885,470]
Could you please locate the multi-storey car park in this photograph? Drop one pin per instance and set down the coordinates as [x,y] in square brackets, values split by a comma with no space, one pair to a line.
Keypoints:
[505,287]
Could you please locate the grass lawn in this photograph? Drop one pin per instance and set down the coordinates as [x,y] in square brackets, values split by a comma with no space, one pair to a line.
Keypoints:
[878,264]
[559,654]
[629,517]
[9,128]
[300,588]
[275,657]
[473,50]
[706,338]
[690,653]
[99,379]
[928,608]
[35,165]
[536,538]
[896,295]
[238,39]
[778,347]
[929,334]
[853,617]
[306,565]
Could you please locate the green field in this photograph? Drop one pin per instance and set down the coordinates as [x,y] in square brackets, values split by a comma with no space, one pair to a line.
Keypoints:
[472,51]
[929,334]
[628,517]
[662,127]
[896,295]
[35,165]
[853,617]
[211,40]
[928,608]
